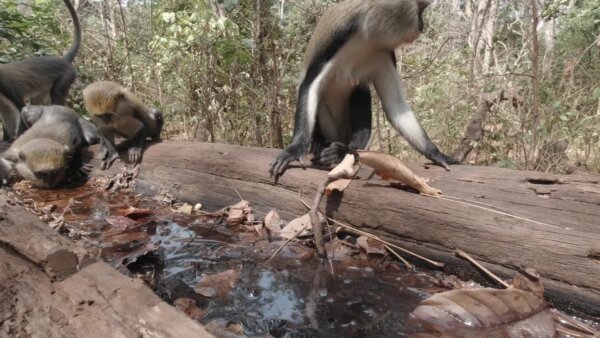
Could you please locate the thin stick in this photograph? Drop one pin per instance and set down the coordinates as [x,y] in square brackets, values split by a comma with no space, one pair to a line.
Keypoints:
[284,244]
[451,199]
[408,265]
[565,320]
[466,256]
[238,193]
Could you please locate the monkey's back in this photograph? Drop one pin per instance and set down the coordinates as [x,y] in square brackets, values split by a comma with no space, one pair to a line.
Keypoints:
[103,97]
[60,125]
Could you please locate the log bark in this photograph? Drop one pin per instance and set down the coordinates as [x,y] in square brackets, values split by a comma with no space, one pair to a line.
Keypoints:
[562,240]
[49,287]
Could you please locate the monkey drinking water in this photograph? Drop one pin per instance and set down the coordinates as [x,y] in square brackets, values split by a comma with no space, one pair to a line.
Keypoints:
[46,150]
[117,111]
[353,47]
[36,79]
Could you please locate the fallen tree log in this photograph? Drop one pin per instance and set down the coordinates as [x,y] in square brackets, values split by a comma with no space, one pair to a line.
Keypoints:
[555,228]
[49,287]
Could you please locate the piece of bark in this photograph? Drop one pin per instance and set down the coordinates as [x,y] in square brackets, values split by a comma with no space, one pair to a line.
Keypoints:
[557,244]
[23,232]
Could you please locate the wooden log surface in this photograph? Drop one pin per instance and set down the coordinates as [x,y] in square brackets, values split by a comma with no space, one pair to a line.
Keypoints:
[561,239]
[50,288]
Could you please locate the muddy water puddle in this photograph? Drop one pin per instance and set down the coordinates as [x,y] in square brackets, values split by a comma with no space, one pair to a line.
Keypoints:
[295,295]
[215,272]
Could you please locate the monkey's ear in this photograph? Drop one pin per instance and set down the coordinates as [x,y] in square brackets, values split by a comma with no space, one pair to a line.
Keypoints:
[21,156]
[422,4]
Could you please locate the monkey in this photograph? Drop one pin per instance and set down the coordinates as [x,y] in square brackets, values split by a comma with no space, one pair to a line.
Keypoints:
[45,151]
[35,79]
[351,48]
[115,110]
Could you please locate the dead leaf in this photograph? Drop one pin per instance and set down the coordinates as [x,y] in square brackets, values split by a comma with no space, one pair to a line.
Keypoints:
[239,212]
[344,169]
[390,167]
[273,222]
[188,306]
[185,209]
[339,185]
[121,222]
[297,227]
[337,251]
[482,313]
[224,329]
[134,213]
[218,284]
[371,246]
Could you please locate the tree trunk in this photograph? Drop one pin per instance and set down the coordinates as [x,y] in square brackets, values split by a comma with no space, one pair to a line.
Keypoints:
[554,228]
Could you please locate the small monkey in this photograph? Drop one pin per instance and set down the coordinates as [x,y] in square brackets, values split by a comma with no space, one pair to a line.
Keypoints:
[45,151]
[35,79]
[117,111]
[353,47]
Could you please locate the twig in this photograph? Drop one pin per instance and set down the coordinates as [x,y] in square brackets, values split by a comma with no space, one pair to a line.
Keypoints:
[238,193]
[284,244]
[454,199]
[565,320]
[466,256]
[408,265]
[361,232]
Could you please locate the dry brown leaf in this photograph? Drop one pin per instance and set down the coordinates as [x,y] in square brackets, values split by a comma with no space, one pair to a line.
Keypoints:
[223,328]
[390,167]
[273,222]
[239,213]
[482,313]
[339,185]
[185,209]
[218,284]
[296,227]
[370,245]
[134,213]
[344,168]
[337,251]
[188,306]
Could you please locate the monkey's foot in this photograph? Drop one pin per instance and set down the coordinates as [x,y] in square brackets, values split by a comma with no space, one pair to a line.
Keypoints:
[280,163]
[331,155]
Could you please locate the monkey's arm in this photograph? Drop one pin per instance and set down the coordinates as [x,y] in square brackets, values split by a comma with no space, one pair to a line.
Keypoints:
[307,105]
[12,123]
[388,85]
[90,132]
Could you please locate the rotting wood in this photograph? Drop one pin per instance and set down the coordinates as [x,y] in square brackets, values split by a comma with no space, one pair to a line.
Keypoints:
[50,287]
[24,233]
[562,253]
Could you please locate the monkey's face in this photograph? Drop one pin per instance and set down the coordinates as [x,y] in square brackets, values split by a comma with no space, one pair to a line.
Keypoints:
[44,165]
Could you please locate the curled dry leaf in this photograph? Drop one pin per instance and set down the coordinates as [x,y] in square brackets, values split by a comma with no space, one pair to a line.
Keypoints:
[482,313]
[273,222]
[370,245]
[239,213]
[297,227]
[339,185]
[188,306]
[390,167]
[134,213]
[185,209]
[218,284]
[343,169]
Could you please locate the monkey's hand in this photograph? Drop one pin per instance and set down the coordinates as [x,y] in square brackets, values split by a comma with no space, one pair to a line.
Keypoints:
[108,159]
[442,160]
[135,154]
[286,156]
[331,155]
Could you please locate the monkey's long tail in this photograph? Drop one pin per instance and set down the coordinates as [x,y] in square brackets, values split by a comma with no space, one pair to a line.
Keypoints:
[72,52]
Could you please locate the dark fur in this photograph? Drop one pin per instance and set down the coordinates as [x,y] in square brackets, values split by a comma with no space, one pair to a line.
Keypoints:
[37,78]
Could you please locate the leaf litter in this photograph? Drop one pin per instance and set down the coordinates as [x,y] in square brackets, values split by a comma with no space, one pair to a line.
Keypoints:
[210,266]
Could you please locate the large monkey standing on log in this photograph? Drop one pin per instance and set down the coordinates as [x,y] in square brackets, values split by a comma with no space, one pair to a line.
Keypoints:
[352,47]
[115,110]
[35,79]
